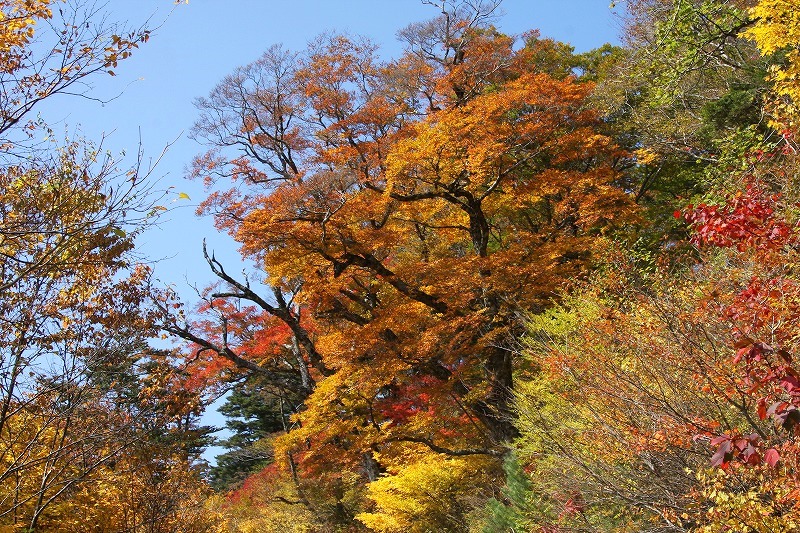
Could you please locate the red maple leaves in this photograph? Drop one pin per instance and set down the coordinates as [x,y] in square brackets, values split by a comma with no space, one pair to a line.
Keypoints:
[762,314]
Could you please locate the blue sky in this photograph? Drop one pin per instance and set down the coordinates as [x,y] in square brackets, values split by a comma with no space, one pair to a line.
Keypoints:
[198,43]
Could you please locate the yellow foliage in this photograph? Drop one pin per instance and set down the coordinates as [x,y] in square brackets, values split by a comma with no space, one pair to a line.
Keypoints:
[137,492]
[17,21]
[425,495]
[777,28]
[111,484]
[747,499]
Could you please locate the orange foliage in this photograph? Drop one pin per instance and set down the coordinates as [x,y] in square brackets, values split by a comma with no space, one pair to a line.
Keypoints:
[412,211]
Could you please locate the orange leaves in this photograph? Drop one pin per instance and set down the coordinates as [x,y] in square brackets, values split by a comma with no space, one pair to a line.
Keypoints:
[500,139]
[414,210]
[334,62]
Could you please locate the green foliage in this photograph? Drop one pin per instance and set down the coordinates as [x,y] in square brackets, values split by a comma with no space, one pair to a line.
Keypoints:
[508,512]
[739,107]
[253,414]
[697,42]
[597,64]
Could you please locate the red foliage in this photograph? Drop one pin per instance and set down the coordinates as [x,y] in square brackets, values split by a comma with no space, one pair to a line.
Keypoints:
[408,400]
[747,220]
[255,484]
[763,314]
[745,448]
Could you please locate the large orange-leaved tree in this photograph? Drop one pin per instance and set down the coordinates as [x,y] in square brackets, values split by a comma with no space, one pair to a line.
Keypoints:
[404,216]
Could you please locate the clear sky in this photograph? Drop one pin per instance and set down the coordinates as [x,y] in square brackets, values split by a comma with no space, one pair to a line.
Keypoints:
[198,43]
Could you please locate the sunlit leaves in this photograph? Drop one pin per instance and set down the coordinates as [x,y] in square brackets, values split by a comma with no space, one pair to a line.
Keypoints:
[403,499]
[86,437]
[777,30]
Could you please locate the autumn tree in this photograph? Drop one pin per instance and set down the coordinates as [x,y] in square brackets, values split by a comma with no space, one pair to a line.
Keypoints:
[662,396]
[412,218]
[76,407]
[664,400]
[405,215]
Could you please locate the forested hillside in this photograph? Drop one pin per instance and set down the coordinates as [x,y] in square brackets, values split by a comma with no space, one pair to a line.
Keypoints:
[498,285]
